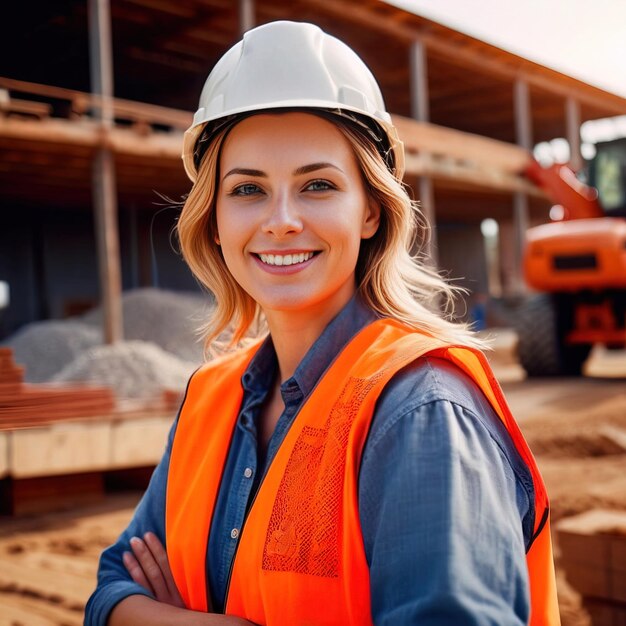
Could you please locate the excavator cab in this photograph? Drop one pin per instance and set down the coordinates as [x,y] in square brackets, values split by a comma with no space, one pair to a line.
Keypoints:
[578,264]
[607,173]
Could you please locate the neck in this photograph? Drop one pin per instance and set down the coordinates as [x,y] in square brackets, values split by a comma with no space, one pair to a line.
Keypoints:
[293,334]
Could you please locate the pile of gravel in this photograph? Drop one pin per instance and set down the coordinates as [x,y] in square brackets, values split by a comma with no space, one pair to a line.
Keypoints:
[133,369]
[161,344]
[45,348]
[168,319]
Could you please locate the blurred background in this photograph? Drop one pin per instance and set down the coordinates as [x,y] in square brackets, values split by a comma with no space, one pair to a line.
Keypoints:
[514,119]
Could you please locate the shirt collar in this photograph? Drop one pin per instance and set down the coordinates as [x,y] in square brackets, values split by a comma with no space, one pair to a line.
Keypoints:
[348,322]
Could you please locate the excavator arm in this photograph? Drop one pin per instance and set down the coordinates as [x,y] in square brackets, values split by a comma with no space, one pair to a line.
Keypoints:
[579,201]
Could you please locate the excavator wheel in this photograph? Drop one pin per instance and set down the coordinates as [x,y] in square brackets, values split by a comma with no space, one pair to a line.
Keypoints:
[542,323]
[536,326]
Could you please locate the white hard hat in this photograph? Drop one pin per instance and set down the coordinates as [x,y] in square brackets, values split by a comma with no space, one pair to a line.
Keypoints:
[290,65]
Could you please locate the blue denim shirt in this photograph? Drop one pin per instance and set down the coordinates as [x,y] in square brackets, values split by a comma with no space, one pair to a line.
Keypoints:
[445,501]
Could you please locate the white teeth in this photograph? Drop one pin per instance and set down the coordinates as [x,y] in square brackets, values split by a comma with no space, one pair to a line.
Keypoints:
[288,259]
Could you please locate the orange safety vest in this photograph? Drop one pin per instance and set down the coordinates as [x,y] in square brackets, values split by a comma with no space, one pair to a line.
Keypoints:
[301,558]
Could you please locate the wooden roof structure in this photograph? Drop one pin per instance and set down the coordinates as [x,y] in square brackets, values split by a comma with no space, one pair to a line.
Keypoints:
[164,49]
[438,83]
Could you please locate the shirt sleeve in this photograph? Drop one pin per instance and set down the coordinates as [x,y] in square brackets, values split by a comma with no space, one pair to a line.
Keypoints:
[442,513]
[114,582]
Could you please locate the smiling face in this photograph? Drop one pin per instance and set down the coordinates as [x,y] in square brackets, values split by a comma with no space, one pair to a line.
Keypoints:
[291,211]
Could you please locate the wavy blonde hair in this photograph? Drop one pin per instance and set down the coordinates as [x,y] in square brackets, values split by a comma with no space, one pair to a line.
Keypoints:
[392,275]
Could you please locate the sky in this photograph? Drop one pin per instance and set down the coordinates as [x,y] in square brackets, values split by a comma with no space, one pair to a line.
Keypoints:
[585,39]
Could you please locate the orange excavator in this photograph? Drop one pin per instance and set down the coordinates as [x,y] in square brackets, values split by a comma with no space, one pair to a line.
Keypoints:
[578,264]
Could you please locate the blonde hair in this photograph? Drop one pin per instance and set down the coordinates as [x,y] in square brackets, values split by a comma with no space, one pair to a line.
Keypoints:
[392,276]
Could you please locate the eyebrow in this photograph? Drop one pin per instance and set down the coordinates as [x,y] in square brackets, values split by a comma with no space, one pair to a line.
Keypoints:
[245,172]
[305,169]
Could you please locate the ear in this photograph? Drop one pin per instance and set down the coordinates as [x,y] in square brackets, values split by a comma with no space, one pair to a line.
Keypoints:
[371,219]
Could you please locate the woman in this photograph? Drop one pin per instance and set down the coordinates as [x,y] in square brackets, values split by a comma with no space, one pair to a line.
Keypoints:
[357,465]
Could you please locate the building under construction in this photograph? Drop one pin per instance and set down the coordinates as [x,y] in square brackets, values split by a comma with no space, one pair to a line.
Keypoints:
[95,96]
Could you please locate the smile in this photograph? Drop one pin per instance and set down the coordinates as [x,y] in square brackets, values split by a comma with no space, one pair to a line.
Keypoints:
[287,259]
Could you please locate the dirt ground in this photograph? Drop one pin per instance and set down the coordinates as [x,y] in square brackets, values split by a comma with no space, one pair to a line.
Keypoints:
[48,564]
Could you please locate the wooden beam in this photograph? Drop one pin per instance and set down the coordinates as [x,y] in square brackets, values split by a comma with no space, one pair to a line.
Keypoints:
[88,134]
[475,175]
[83,103]
[172,8]
[465,56]
[169,60]
[434,139]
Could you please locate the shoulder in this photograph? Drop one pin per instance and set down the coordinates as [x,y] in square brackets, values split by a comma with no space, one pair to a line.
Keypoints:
[443,412]
[432,418]
[430,379]
[430,382]
[425,388]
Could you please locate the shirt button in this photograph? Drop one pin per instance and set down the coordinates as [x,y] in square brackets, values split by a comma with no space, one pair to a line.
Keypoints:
[234,533]
[247,472]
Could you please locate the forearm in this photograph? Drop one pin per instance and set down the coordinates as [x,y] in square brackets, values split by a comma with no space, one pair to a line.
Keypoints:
[135,610]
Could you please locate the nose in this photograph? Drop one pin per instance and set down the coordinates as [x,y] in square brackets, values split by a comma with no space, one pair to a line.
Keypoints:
[282,217]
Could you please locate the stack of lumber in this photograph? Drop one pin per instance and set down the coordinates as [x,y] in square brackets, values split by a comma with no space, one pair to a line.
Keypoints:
[23,405]
[593,555]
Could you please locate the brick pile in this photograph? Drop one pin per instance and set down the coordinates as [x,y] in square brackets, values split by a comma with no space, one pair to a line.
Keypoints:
[593,555]
[23,405]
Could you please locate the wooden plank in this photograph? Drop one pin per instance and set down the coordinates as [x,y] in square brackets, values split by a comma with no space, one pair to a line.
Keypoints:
[30,108]
[593,547]
[56,131]
[60,449]
[139,442]
[4,454]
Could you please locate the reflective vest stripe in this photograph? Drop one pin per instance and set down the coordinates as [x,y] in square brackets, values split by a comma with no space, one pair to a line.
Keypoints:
[301,558]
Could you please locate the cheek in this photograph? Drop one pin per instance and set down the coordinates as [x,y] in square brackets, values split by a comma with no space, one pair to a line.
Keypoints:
[228,227]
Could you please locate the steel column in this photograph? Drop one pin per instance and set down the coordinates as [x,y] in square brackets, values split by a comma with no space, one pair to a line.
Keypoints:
[420,111]
[572,121]
[524,138]
[104,185]
[246,16]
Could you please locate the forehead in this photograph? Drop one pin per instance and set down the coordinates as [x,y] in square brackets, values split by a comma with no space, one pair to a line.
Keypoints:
[289,136]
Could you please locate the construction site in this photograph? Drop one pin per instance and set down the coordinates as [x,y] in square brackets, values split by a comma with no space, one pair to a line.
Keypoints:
[99,314]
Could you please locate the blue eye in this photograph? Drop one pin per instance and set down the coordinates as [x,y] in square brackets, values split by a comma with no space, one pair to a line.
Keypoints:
[247,189]
[319,185]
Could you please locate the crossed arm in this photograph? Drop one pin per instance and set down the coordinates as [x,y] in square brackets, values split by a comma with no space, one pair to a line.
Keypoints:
[148,566]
